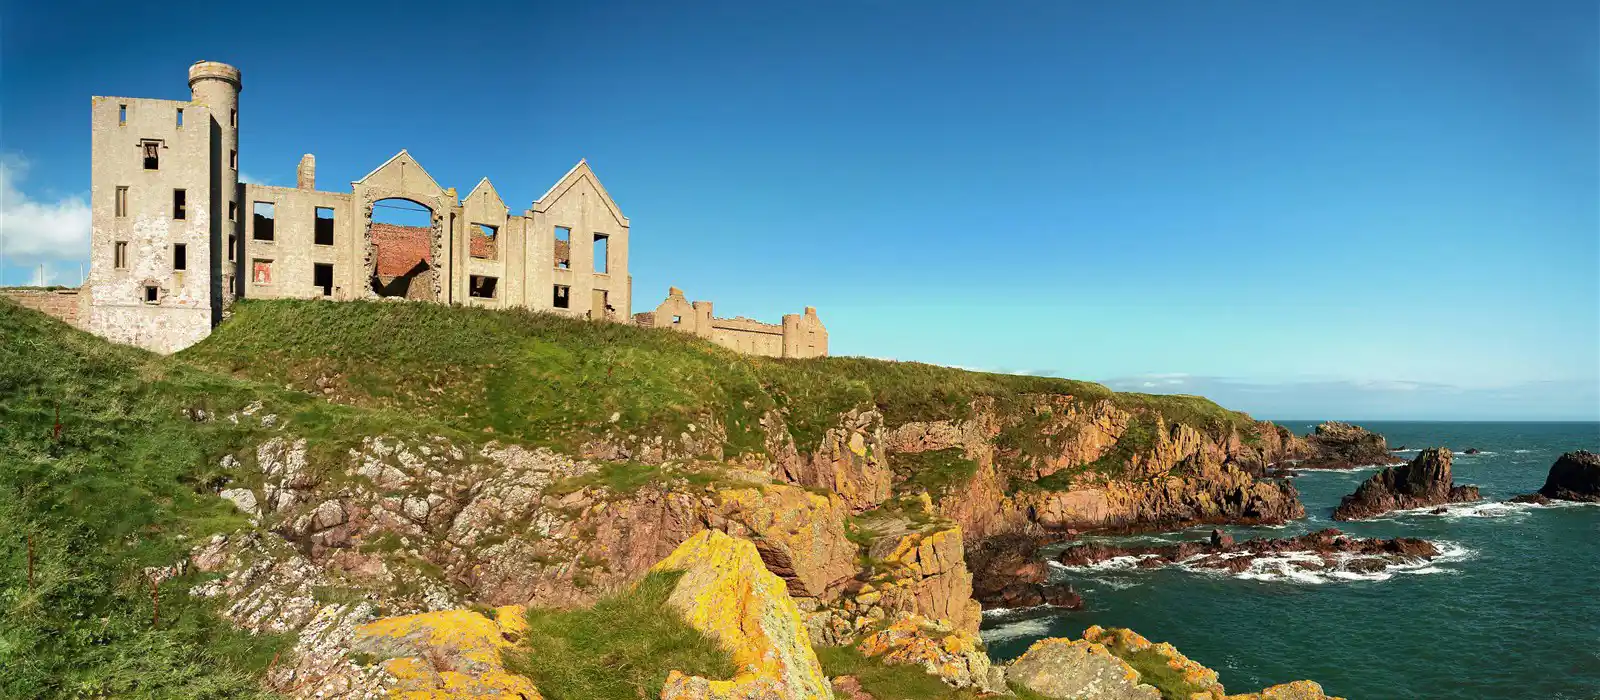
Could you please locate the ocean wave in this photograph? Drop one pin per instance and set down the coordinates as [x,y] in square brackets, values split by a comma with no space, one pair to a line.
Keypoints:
[1521,452]
[1030,627]
[1130,561]
[1479,509]
[1305,567]
[1349,470]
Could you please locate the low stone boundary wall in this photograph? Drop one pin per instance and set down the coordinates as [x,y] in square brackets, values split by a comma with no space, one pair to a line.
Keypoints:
[60,303]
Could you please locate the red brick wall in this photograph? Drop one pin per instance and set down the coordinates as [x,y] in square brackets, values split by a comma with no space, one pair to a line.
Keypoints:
[60,303]
[401,247]
[482,246]
[563,253]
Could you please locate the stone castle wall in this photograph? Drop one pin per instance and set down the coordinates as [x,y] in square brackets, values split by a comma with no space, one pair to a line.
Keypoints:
[65,304]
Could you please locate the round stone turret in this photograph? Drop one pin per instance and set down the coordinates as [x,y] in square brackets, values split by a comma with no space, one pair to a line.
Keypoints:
[214,70]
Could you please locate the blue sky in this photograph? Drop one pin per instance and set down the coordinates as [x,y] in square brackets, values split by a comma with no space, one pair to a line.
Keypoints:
[1362,209]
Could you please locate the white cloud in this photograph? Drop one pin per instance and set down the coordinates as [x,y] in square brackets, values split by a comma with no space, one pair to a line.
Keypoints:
[36,231]
[249,179]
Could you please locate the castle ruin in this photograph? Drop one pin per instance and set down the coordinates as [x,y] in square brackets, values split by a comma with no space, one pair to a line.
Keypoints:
[177,237]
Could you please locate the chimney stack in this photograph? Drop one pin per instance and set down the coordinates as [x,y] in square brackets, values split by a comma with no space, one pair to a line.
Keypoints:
[308,172]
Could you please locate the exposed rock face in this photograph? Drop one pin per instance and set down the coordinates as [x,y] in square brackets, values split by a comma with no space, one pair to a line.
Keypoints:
[1077,670]
[951,654]
[1574,477]
[849,462]
[728,593]
[1008,573]
[1120,641]
[1336,445]
[1426,481]
[915,570]
[1333,551]
[1298,690]
[448,654]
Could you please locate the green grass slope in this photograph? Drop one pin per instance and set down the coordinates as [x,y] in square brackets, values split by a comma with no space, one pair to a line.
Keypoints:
[101,471]
[554,381]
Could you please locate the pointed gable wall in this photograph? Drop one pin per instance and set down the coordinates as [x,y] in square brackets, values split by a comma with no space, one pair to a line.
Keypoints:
[580,203]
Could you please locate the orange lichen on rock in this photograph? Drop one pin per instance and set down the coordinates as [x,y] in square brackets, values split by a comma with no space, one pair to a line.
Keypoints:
[1298,690]
[1195,675]
[726,592]
[939,648]
[1077,668]
[449,654]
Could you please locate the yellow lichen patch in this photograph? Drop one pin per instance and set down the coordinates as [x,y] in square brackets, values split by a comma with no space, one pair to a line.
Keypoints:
[726,592]
[1201,679]
[940,649]
[1298,690]
[448,654]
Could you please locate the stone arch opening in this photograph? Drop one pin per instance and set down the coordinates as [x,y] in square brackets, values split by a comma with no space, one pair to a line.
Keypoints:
[403,249]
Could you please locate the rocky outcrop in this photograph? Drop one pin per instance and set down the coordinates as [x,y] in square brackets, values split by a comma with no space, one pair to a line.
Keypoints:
[1077,670]
[1574,477]
[1207,494]
[1007,572]
[911,567]
[448,654]
[1183,677]
[1331,550]
[1426,481]
[849,462]
[1298,690]
[1336,445]
[726,592]
[954,655]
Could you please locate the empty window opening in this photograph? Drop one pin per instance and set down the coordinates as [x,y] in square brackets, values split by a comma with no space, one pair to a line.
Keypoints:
[180,257]
[677,320]
[485,242]
[323,235]
[263,215]
[233,159]
[233,211]
[122,201]
[152,294]
[563,247]
[233,245]
[233,117]
[261,271]
[402,237]
[180,117]
[180,201]
[122,115]
[482,287]
[152,154]
[119,255]
[322,276]
[602,253]
[563,297]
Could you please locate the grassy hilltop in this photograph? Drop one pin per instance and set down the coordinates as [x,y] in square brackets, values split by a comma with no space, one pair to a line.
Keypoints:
[552,381]
[125,484]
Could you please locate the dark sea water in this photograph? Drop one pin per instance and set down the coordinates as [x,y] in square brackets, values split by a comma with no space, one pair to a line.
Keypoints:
[1512,611]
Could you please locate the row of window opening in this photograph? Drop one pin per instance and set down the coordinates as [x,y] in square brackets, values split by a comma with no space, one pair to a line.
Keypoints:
[122,116]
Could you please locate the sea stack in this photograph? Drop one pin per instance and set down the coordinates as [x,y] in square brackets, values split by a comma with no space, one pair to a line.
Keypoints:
[1336,445]
[1426,481]
[1574,477]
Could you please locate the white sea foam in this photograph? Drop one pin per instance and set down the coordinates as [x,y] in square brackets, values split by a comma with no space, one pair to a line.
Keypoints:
[1521,452]
[1350,470]
[1130,561]
[1286,567]
[1031,627]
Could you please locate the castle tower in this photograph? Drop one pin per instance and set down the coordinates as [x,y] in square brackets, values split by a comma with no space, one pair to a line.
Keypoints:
[216,86]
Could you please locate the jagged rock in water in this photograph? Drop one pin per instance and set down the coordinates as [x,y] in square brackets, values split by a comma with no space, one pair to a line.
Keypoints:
[1336,445]
[1426,481]
[1077,669]
[951,654]
[1008,573]
[728,593]
[1574,477]
[1336,551]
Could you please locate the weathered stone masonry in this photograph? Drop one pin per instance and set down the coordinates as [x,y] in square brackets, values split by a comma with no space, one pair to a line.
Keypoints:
[176,237]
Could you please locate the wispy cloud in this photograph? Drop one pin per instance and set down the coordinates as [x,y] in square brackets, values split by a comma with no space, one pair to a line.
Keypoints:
[34,231]
[249,179]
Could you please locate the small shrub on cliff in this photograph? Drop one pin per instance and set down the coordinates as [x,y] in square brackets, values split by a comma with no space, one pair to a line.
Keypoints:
[619,649]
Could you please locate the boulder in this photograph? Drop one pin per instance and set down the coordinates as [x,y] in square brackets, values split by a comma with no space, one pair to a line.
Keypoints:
[448,654]
[1077,669]
[951,654]
[726,592]
[1298,690]
[1574,477]
[1426,481]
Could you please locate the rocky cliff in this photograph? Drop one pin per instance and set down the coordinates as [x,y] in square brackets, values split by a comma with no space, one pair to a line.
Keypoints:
[1575,476]
[1425,481]
[393,460]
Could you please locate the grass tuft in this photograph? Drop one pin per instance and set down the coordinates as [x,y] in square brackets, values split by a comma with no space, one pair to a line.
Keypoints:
[620,649]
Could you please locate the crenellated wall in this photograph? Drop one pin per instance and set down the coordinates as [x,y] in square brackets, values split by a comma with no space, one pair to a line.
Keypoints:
[798,336]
